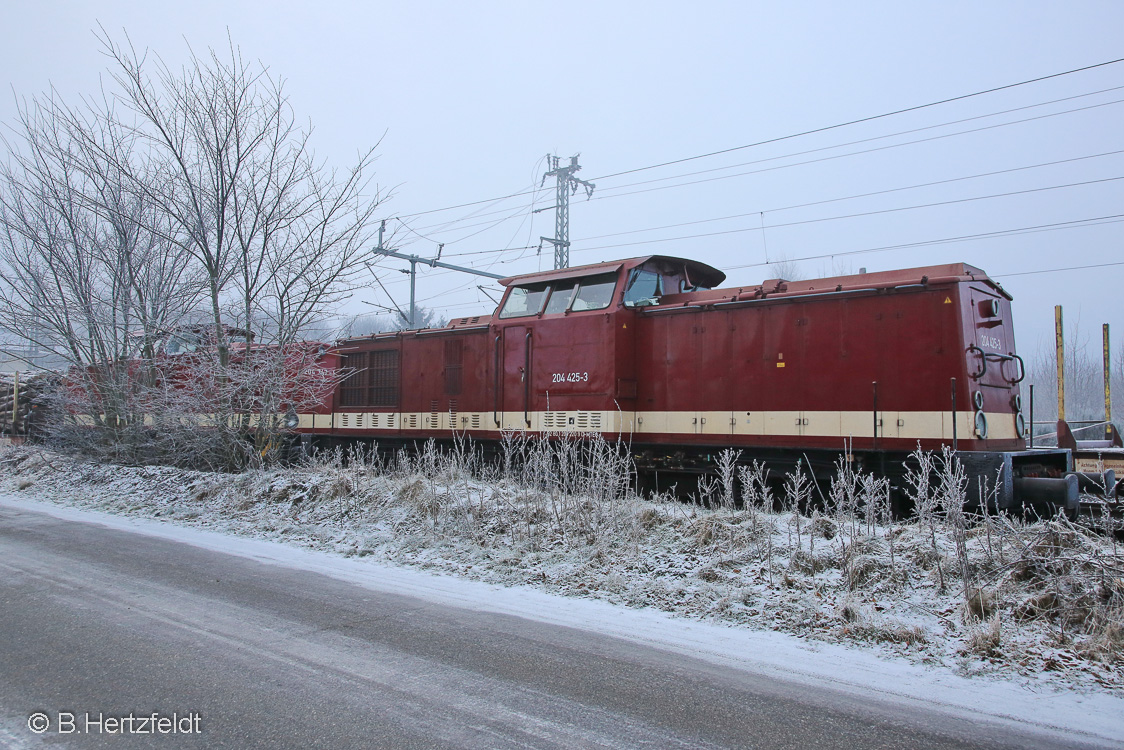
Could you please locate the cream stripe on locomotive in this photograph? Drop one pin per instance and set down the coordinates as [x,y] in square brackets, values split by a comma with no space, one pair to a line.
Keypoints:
[251,421]
[907,425]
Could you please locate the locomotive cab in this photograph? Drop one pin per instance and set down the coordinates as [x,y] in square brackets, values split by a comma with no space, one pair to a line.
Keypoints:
[554,343]
[658,277]
[564,342]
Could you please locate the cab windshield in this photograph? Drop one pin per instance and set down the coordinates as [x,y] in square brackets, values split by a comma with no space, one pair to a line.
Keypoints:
[563,296]
[644,288]
[525,300]
[182,343]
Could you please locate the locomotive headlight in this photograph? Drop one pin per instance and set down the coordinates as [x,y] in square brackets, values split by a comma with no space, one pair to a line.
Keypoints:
[291,419]
[1020,425]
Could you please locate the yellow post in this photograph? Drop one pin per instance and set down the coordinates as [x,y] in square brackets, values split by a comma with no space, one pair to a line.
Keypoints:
[1107,386]
[1059,341]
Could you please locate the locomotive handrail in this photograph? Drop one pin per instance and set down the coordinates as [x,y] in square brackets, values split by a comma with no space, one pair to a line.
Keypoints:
[983,362]
[757,295]
[527,378]
[768,297]
[698,305]
[996,357]
[496,389]
[448,330]
[760,295]
[1022,369]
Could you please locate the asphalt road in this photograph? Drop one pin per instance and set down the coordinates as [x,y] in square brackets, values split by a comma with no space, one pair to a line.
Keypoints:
[100,625]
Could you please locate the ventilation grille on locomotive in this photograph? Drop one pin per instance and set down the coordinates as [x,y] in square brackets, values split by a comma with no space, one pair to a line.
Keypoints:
[454,365]
[554,420]
[373,380]
[589,420]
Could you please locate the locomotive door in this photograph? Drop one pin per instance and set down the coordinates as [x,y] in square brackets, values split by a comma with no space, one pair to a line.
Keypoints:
[993,368]
[889,391]
[514,376]
[710,347]
[990,355]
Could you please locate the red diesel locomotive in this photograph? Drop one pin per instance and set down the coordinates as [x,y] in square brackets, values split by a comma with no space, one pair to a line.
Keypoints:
[650,349]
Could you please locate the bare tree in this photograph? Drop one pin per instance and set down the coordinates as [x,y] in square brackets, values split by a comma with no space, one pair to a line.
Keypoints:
[784,268]
[89,271]
[185,192]
[276,232]
[1084,378]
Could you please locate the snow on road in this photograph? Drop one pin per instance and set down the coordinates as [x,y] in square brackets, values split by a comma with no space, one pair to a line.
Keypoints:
[1092,715]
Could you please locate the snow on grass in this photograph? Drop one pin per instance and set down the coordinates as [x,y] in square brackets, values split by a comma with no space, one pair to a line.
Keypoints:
[1037,603]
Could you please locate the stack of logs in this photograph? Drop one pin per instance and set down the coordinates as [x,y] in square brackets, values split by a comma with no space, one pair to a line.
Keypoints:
[18,393]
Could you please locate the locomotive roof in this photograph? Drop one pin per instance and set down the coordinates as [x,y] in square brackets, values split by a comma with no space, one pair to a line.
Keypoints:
[708,276]
[700,273]
[945,273]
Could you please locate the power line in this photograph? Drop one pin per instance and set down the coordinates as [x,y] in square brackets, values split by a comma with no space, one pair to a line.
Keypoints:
[450,226]
[847,216]
[852,153]
[791,136]
[415,232]
[1058,270]
[824,148]
[864,119]
[881,137]
[829,218]
[466,205]
[1056,226]
[494,251]
[856,196]
[1034,229]
[485,224]
[439,274]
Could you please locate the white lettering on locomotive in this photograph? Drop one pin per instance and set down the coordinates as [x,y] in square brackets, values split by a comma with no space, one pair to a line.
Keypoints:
[569,377]
[317,372]
[990,342]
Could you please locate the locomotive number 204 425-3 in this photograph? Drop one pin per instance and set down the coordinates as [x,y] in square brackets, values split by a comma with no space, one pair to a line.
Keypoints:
[569,377]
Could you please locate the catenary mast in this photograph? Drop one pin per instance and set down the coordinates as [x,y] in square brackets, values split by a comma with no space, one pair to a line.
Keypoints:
[567,184]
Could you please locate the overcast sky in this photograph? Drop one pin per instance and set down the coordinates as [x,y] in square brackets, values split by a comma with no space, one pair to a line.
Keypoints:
[472,96]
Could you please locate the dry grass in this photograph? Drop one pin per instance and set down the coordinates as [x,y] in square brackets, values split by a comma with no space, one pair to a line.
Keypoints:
[559,514]
[983,639]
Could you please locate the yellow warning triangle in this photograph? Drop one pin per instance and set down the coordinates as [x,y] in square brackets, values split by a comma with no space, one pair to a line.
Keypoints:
[947,301]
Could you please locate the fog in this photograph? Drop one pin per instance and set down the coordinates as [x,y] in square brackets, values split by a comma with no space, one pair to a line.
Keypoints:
[466,100]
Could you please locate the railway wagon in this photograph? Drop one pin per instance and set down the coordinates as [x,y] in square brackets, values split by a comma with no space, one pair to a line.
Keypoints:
[652,349]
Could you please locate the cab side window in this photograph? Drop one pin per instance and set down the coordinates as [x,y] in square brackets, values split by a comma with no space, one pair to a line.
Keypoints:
[644,288]
[560,297]
[524,300]
[181,343]
[566,295]
[594,292]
